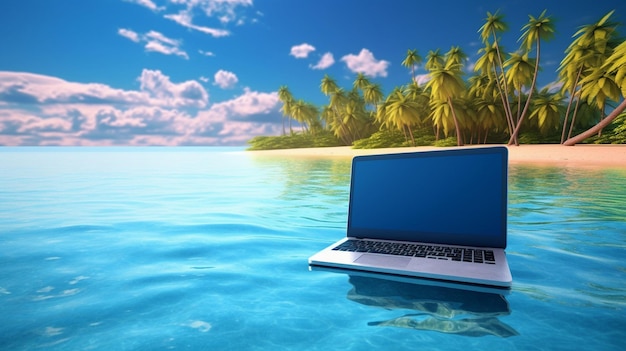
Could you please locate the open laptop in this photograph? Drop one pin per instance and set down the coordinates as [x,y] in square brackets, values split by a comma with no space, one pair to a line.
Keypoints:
[435,214]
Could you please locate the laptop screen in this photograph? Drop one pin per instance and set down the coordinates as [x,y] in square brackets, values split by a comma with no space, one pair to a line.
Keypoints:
[455,197]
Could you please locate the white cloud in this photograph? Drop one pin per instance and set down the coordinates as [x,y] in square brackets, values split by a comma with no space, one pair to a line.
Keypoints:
[189,93]
[157,46]
[554,87]
[224,10]
[225,79]
[155,42]
[302,50]
[206,53]
[127,33]
[44,110]
[250,103]
[154,35]
[184,19]
[204,79]
[365,63]
[156,89]
[158,42]
[326,61]
[17,87]
[147,3]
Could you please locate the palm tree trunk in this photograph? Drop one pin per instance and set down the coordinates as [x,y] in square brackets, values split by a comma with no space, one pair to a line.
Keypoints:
[571,126]
[602,124]
[530,94]
[505,94]
[507,109]
[569,104]
[601,118]
[459,135]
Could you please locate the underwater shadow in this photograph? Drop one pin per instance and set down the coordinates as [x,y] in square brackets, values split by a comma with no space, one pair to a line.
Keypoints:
[439,306]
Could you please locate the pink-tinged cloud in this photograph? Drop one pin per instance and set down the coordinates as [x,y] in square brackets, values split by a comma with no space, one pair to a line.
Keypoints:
[326,61]
[302,50]
[249,104]
[422,79]
[366,63]
[225,79]
[127,33]
[185,94]
[44,110]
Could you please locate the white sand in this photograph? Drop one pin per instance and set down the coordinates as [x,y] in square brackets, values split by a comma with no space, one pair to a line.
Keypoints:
[609,156]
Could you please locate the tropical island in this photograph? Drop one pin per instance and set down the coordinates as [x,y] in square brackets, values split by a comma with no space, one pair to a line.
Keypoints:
[498,104]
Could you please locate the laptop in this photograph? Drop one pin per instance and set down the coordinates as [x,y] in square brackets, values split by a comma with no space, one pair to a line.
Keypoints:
[435,214]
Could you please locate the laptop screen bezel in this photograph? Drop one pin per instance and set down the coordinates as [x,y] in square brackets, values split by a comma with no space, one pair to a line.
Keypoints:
[500,241]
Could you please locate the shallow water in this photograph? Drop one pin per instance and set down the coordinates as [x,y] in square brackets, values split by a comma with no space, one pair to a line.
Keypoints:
[206,249]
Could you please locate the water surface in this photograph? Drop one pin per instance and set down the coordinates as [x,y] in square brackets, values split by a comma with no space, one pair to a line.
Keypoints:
[206,249]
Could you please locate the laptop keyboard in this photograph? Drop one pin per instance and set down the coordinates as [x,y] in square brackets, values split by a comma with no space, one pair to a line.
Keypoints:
[460,254]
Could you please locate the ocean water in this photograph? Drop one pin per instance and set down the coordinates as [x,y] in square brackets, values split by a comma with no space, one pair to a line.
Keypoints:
[206,249]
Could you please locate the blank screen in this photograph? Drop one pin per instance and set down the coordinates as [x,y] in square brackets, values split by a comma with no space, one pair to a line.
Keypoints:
[456,197]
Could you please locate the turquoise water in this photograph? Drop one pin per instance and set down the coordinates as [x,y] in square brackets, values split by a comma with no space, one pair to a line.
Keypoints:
[206,249]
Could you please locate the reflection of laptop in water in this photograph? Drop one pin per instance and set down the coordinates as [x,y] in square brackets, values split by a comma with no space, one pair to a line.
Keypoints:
[428,304]
[438,214]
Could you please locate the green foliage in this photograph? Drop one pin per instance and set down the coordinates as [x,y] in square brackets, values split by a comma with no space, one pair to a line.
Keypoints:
[615,134]
[535,137]
[293,141]
[382,139]
[449,141]
[394,138]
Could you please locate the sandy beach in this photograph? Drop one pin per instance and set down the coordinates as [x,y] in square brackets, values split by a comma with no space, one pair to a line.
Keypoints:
[605,156]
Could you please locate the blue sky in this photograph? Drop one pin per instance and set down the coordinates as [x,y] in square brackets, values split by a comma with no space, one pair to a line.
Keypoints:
[206,72]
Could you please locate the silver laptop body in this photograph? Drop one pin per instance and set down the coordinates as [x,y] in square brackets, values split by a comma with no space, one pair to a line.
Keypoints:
[435,214]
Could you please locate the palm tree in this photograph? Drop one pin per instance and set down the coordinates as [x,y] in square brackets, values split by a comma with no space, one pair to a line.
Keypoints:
[373,94]
[354,117]
[590,49]
[495,24]
[401,112]
[571,70]
[332,113]
[598,33]
[434,60]
[445,84]
[535,30]
[599,86]
[329,85]
[547,109]
[411,60]
[490,114]
[361,82]
[615,65]
[456,55]
[284,95]
[519,74]
[305,113]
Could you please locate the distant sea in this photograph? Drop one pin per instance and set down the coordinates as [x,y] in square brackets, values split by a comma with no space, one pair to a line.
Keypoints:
[205,248]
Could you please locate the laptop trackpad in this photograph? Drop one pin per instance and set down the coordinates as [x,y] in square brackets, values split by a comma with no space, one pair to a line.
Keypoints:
[383,261]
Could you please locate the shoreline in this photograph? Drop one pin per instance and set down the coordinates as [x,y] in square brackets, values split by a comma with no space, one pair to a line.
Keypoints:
[594,156]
